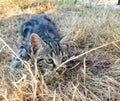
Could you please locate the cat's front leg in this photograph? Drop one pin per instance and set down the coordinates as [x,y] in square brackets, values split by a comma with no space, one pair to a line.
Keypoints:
[23,54]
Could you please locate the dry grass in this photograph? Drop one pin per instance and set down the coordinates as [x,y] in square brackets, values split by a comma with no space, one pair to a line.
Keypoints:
[95,32]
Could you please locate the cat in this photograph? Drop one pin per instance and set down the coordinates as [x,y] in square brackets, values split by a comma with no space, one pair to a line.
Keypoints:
[41,38]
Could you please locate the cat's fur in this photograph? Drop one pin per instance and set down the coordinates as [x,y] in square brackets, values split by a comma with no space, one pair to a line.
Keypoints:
[41,39]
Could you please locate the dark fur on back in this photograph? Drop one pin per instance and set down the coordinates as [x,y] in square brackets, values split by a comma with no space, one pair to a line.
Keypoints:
[43,26]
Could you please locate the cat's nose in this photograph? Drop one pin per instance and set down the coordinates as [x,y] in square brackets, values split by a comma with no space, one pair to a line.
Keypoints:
[61,69]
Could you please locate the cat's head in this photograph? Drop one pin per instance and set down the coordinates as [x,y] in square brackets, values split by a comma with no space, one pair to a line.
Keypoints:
[49,56]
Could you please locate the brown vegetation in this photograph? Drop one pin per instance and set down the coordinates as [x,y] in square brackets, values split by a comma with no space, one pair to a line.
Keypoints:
[95,68]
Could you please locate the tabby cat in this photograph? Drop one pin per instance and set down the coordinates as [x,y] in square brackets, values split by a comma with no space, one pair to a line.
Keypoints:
[41,39]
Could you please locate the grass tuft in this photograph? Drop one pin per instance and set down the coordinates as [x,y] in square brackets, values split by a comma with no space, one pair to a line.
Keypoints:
[95,66]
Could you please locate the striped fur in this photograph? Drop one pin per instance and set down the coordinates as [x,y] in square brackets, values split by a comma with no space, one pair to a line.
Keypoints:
[44,44]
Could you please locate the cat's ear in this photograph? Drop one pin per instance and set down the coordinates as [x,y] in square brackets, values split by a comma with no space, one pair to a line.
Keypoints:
[36,43]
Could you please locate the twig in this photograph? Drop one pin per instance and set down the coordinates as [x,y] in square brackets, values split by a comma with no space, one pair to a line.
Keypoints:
[76,57]
[11,49]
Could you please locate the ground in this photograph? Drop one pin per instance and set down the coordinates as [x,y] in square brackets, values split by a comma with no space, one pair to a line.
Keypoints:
[95,68]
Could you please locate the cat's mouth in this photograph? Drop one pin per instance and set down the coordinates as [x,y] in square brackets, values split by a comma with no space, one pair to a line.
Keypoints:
[58,70]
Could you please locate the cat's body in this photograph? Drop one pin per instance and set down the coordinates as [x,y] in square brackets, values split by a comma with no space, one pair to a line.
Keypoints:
[45,44]
[42,26]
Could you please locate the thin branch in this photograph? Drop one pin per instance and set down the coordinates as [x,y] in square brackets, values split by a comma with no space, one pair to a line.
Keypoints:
[76,57]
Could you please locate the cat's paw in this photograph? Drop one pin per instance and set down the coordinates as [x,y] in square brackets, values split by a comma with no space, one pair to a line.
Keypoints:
[16,63]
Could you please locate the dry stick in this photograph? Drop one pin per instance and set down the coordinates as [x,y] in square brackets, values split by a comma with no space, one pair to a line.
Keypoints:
[76,57]
[16,55]
[75,91]
[54,96]
[84,71]
[2,48]
[28,67]
[95,96]
[35,81]
[11,50]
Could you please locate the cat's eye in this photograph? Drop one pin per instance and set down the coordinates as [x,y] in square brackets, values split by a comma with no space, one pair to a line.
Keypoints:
[39,60]
[49,61]
[64,59]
